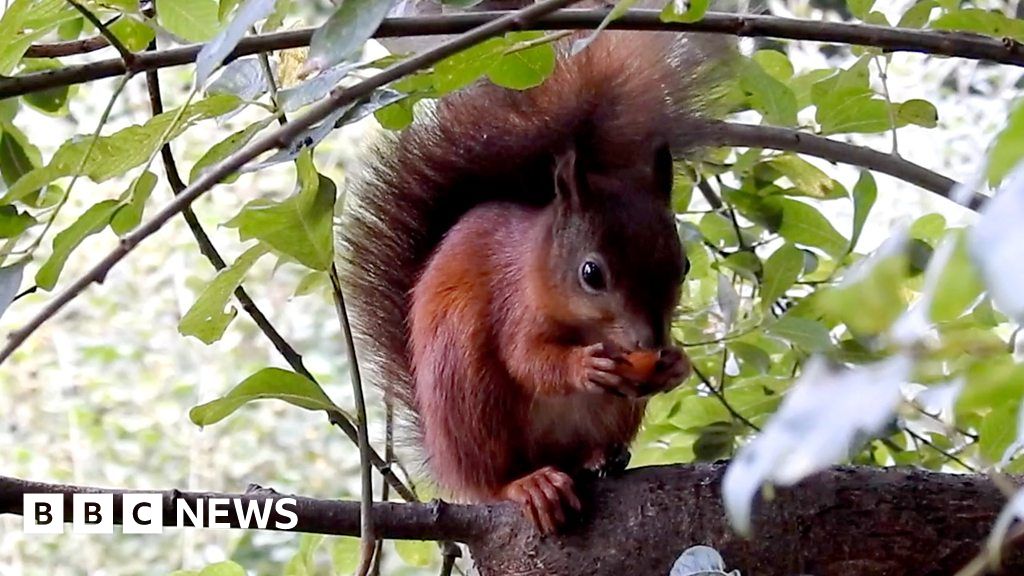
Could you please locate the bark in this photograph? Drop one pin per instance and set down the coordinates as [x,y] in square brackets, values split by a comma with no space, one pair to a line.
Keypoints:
[844,521]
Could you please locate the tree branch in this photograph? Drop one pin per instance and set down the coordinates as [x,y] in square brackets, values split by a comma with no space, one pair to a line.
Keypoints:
[958,44]
[753,136]
[127,56]
[67,48]
[847,520]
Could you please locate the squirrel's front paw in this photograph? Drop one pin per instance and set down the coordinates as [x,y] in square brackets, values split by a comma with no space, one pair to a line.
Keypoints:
[599,372]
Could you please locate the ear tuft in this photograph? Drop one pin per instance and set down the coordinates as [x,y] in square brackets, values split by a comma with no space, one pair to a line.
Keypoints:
[567,178]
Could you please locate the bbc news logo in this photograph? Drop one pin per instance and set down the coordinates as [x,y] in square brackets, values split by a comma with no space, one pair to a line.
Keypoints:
[143,513]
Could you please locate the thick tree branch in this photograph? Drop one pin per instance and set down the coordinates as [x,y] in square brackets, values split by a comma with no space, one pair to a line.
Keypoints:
[958,44]
[752,136]
[849,520]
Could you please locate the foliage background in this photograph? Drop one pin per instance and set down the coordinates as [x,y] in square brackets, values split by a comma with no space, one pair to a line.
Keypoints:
[101,395]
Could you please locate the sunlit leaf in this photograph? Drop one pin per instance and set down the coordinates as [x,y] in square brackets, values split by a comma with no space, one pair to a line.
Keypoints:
[133,34]
[128,216]
[226,568]
[918,14]
[420,553]
[981,21]
[685,10]
[804,224]
[1008,148]
[919,112]
[808,179]
[864,194]
[771,98]
[207,319]
[299,226]
[117,153]
[781,270]
[193,20]
[92,221]
[268,383]
[222,149]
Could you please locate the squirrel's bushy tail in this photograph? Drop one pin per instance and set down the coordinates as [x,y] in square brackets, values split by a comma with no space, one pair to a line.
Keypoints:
[625,93]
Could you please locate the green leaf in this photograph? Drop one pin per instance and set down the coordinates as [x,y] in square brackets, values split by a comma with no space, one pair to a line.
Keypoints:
[303,563]
[464,68]
[17,155]
[774,63]
[695,10]
[804,224]
[226,568]
[206,319]
[224,9]
[117,153]
[715,441]
[860,8]
[992,382]
[299,226]
[919,112]
[1008,148]
[133,34]
[52,101]
[806,333]
[864,194]
[871,304]
[773,99]
[396,116]
[853,111]
[13,223]
[352,24]
[26,21]
[92,221]
[520,69]
[345,555]
[929,228]
[998,429]
[918,14]
[781,270]
[718,230]
[751,358]
[981,22]
[193,20]
[268,383]
[419,553]
[746,264]
[130,214]
[807,179]
[310,283]
[959,284]
[222,149]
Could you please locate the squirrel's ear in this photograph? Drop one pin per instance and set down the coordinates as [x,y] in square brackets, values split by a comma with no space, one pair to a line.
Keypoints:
[568,179]
[664,171]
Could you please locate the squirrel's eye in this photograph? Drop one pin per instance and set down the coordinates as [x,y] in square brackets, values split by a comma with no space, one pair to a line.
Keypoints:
[592,277]
[686,265]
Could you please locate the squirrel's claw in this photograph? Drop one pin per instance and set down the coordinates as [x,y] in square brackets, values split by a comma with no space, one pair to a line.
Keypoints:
[544,494]
[600,372]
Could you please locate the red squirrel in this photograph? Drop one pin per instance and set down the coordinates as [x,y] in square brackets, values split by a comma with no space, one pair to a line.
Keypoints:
[512,266]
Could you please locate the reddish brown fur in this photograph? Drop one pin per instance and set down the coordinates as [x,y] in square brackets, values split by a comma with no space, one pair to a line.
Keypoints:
[461,265]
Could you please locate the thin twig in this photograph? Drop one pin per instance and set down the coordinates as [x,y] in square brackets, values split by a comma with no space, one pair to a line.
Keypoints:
[67,48]
[721,398]
[275,139]
[126,55]
[367,537]
[958,44]
[932,445]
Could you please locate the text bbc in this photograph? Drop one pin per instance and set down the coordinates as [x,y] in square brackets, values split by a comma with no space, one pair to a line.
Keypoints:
[143,513]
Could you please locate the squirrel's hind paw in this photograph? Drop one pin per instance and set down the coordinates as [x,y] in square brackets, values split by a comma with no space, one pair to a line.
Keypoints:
[544,495]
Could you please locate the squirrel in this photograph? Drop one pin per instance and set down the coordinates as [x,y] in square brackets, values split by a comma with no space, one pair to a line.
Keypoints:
[512,266]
